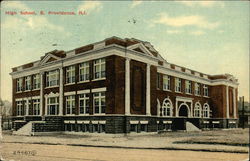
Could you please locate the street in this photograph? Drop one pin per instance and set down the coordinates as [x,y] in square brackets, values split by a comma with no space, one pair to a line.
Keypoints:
[43,152]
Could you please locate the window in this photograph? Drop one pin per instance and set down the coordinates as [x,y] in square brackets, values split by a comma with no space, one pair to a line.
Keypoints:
[70,105]
[197,89]
[84,103]
[27,83]
[84,71]
[30,107]
[36,81]
[52,78]
[19,107]
[99,69]
[177,85]
[167,108]
[158,81]
[197,110]
[36,106]
[188,87]
[206,110]
[166,82]
[205,90]
[99,103]
[53,105]
[70,74]
[19,84]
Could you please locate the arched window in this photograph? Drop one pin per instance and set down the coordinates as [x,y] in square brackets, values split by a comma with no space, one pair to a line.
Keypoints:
[167,107]
[197,110]
[206,110]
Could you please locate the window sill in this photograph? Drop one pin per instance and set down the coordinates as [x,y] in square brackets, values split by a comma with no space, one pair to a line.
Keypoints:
[198,95]
[99,114]
[37,89]
[206,96]
[82,81]
[51,87]
[27,90]
[177,92]
[98,79]
[19,91]
[67,84]
[84,114]
[189,94]
[167,90]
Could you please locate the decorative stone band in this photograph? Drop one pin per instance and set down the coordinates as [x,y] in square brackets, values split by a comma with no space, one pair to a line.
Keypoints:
[215,122]
[232,122]
[206,122]
[69,121]
[137,122]
[82,121]
[167,122]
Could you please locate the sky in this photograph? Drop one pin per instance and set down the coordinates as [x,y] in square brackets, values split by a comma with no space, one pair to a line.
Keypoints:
[207,36]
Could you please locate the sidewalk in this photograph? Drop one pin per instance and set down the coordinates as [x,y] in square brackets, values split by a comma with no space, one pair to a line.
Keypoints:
[137,141]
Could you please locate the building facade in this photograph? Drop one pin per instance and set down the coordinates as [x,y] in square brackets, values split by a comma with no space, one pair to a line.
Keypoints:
[119,86]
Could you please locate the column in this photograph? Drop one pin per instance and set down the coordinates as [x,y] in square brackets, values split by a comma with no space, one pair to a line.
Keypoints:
[41,93]
[27,107]
[127,86]
[227,102]
[46,109]
[176,108]
[148,112]
[61,92]
[235,101]
[191,109]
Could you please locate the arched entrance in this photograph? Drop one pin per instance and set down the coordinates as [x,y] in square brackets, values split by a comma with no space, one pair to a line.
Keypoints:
[183,111]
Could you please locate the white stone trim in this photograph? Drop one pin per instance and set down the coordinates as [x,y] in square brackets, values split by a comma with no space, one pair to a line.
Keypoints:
[143,122]
[102,122]
[19,99]
[83,91]
[158,107]
[35,97]
[70,93]
[94,122]
[148,106]
[133,122]
[234,102]
[167,122]
[82,122]
[232,122]
[69,121]
[52,95]
[215,122]
[99,89]
[227,102]
[127,86]
[157,122]
[206,122]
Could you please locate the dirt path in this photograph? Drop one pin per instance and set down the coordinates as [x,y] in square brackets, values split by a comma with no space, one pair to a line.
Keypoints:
[36,152]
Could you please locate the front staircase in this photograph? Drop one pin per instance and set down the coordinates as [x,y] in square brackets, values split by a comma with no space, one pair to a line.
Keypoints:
[191,127]
[27,129]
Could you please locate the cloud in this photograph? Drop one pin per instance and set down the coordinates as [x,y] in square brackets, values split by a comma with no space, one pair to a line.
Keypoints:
[90,6]
[202,3]
[15,5]
[197,33]
[174,31]
[135,3]
[181,21]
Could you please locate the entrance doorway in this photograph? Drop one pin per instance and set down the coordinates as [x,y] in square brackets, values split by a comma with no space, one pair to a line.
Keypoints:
[183,111]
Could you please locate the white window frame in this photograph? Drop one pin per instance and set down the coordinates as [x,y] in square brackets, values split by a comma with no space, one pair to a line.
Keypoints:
[30,107]
[178,85]
[197,110]
[188,87]
[52,78]
[205,88]
[36,106]
[36,81]
[166,82]
[56,104]
[84,72]
[99,96]
[84,98]
[70,105]
[206,111]
[19,84]
[197,89]
[167,108]
[70,74]
[100,68]
[19,108]
[27,83]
